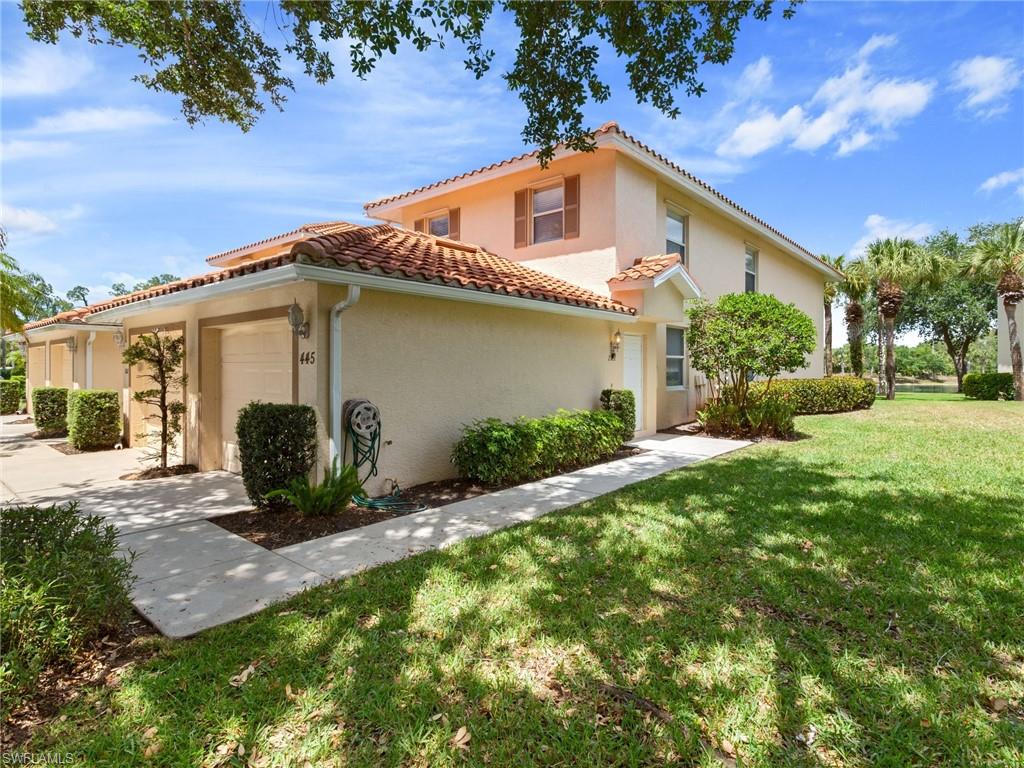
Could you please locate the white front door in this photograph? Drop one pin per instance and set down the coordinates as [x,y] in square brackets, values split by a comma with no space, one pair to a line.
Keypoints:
[633,372]
[256,364]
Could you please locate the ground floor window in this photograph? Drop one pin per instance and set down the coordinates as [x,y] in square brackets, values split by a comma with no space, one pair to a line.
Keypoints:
[675,355]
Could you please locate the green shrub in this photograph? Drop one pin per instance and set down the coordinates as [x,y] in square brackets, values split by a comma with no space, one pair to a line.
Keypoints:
[62,584]
[276,445]
[94,419]
[763,418]
[989,386]
[50,409]
[12,392]
[499,452]
[832,394]
[327,498]
[622,403]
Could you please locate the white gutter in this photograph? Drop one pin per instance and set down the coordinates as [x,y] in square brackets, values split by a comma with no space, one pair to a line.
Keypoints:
[337,434]
[88,359]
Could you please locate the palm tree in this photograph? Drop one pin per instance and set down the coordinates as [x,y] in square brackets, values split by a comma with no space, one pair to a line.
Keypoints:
[1000,257]
[897,263]
[17,295]
[831,291]
[855,288]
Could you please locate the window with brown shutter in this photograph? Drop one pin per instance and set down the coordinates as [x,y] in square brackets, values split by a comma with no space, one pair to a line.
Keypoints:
[420,225]
[572,207]
[453,224]
[521,218]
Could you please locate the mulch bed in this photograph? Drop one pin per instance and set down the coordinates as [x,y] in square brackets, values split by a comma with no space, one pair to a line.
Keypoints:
[156,472]
[274,530]
[26,420]
[41,435]
[102,663]
[69,450]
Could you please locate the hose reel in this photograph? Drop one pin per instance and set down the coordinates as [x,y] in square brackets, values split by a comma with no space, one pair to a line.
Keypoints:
[362,423]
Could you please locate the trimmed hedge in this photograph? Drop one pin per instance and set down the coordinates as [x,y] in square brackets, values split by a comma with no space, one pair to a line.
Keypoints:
[63,583]
[622,403]
[499,452]
[50,409]
[832,394]
[276,445]
[989,386]
[94,419]
[12,392]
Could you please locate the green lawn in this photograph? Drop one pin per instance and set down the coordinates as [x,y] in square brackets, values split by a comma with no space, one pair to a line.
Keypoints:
[866,581]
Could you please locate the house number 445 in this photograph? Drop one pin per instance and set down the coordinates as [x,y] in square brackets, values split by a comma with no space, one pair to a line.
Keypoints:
[307,358]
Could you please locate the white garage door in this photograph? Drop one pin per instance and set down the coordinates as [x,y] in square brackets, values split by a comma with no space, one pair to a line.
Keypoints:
[256,364]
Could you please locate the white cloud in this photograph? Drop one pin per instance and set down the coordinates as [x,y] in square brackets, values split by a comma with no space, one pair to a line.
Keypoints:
[43,71]
[987,81]
[1004,179]
[98,119]
[853,110]
[22,149]
[755,77]
[878,227]
[31,221]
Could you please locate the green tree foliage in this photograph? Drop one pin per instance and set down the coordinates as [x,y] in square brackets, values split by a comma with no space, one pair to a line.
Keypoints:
[745,335]
[18,293]
[45,301]
[121,289]
[924,361]
[80,294]
[984,354]
[226,65]
[956,311]
[161,356]
[997,254]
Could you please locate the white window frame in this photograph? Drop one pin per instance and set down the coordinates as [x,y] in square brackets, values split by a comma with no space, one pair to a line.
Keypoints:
[675,210]
[544,187]
[434,216]
[676,387]
[755,253]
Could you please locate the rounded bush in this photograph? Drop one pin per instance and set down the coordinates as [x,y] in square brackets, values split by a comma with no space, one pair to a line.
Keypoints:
[276,445]
[12,392]
[832,394]
[94,419]
[50,409]
[989,386]
[622,403]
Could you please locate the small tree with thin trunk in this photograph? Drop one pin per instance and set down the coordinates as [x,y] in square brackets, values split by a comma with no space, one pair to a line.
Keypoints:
[162,356]
[999,255]
[831,291]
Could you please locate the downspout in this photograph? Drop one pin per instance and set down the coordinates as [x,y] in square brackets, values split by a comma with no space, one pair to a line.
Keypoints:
[337,431]
[88,359]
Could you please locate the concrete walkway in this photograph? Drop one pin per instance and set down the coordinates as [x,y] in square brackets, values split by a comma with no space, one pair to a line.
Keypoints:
[193,575]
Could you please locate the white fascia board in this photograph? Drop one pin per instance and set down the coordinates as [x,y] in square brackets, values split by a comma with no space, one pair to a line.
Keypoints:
[451,293]
[256,281]
[681,280]
[65,328]
[290,273]
[712,200]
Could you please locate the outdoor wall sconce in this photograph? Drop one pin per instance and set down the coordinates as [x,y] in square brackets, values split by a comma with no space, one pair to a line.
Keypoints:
[614,344]
[296,319]
[119,340]
[72,344]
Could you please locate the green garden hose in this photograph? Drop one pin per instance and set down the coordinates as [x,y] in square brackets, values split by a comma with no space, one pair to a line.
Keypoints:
[362,423]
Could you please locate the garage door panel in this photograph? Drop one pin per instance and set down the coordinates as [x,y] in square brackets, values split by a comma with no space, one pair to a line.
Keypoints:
[256,364]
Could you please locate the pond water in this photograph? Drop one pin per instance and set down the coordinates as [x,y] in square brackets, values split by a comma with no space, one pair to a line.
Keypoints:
[939,386]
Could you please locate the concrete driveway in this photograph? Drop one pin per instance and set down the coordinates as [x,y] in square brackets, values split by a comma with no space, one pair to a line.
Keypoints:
[34,472]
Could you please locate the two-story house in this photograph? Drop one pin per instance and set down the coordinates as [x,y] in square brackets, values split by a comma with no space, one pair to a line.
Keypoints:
[511,290]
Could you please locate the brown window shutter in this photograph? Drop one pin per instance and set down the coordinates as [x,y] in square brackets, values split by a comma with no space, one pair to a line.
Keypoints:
[571,201]
[420,225]
[453,224]
[521,218]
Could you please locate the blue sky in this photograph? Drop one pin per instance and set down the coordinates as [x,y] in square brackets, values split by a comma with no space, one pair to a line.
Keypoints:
[847,122]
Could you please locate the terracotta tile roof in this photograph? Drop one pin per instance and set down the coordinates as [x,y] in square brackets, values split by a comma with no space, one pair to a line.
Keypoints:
[646,268]
[406,255]
[608,128]
[385,250]
[314,228]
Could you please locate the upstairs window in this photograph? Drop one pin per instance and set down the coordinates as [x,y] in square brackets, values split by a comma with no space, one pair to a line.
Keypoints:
[675,234]
[675,355]
[548,203]
[750,270]
[438,225]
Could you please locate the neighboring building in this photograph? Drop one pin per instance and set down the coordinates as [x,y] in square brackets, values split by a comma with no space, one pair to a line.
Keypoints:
[506,291]
[1004,336]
